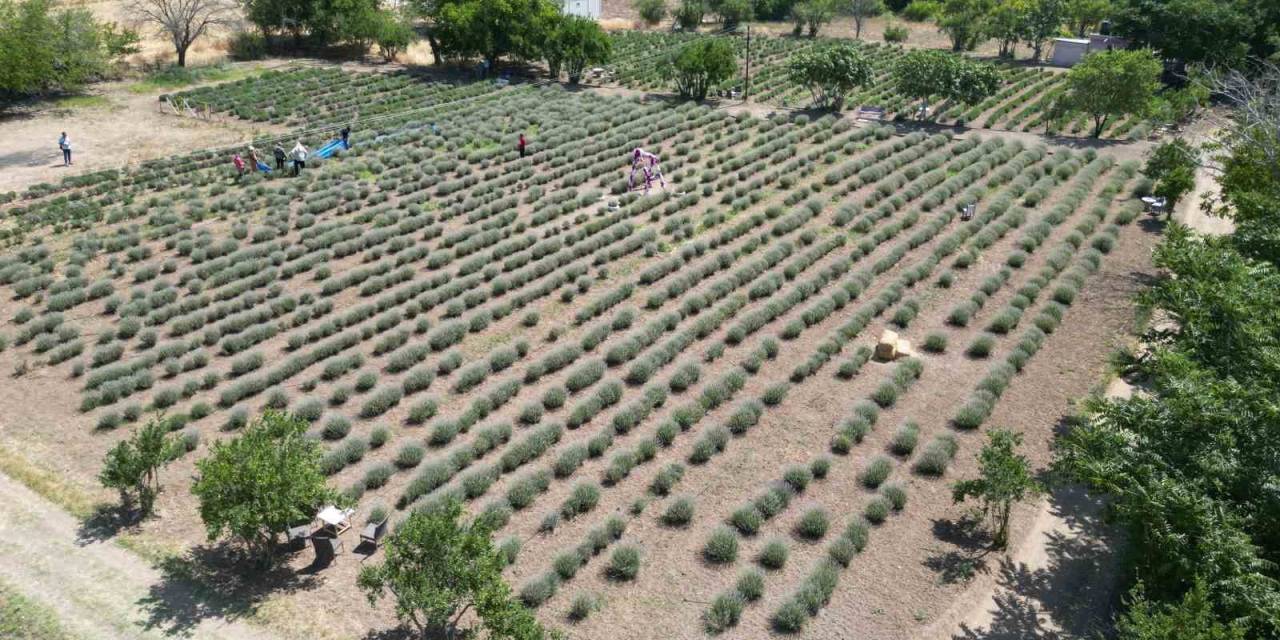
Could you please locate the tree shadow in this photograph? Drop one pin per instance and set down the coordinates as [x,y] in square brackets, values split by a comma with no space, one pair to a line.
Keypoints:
[106,522]
[1074,593]
[971,545]
[213,582]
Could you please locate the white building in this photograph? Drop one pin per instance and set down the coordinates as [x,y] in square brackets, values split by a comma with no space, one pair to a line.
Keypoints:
[1068,52]
[584,8]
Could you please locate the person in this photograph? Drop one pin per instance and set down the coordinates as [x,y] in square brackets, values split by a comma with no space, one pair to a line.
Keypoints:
[280,155]
[520,145]
[253,158]
[239,163]
[346,137]
[299,158]
[64,143]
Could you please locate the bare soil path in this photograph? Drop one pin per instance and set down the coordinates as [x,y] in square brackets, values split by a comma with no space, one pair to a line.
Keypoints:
[99,590]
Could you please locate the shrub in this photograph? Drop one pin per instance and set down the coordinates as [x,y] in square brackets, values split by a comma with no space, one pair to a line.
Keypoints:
[566,564]
[381,401]
[582,605]
[813,524]
[379,436]
[538,590]
[721,546]
[935,342]
[773,555]
[896,33]
[666,479]
[981,346]
[885,395]
[624,564]
[877,510]
[841,551]
[790,617]
[750,585]
[876,472]
[409,456]
[554,398]
[820,467]
[237,419]
[896,494]
[679,513]
[583,499]
[747,520]
[905,439]
[684,377]
[724,612]
[797,477]
[937,455]
[336,428]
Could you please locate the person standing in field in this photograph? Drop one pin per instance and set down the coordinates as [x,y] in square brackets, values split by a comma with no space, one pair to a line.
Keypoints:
[280,155]
[64,143]
[299,158]
[520,145]
[253,158]
[239,163]
[346,137]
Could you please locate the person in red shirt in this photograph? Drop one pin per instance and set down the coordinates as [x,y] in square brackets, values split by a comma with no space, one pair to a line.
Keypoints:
[520,145]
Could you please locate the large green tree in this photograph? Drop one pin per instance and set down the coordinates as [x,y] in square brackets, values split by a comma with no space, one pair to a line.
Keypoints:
[831,73]
[1085,15]
[700,65]
[1042,21]
[572,43]
[965,22]
[439,568]
[926,73]
[1199,31]
[45,49]
[490,29]
[1004,480]
[257,484]
[133,465]
[1110,84]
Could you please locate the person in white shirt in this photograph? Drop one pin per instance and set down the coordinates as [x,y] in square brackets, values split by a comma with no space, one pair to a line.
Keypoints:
[64,143]
[299,154]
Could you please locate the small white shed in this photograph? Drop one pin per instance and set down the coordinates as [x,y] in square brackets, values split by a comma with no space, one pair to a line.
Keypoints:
[1068,51]
[584,8]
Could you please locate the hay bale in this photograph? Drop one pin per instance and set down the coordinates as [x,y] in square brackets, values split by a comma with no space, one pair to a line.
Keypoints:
[904,349]
[887,347]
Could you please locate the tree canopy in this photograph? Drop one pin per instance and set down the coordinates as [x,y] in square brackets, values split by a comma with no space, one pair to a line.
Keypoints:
[492,29]
[964,21]
[700,65]
[924,73]
[1111,84]
[257,484]
[1004,480]
[133,465]
[572,43]
[831,73]
[438,568]
[43,49]
[1202,31]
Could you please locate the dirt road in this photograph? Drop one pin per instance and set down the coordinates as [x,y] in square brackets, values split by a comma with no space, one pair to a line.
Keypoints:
[98,589]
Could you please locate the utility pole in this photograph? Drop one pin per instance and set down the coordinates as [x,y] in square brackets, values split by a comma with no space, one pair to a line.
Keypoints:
[746,87]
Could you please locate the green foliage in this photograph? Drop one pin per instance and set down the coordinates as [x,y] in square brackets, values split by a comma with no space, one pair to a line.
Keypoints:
[1004,479]
[1200,31]
[1111,84]
[393,34]
[923,73]
[724,612]
[831,73]
[721,546]
[964,21]
[699,65]
[437,567]
[256,485]
[573,43]
[46,49]
[689,14]
[651,11]
[815,13]
[1172,166]
[490,29]
[133,466]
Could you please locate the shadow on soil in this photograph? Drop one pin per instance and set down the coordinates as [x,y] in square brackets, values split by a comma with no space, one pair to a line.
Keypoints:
[214,582]
[1074,594]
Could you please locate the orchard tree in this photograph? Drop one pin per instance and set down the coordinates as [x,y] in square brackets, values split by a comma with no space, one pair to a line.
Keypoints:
[45,48]
[923,73]
[689,14]
[257,484]
[133,466]
[964,21]
[1007,24]
[183,21]
[651,11]
[573,43]
[1042,21]
[1204,31]
[1111,84]
[861,10]
[1085,15]
[732,12]
[394,34]
[439,568]
[1172,166]
[700,65]
[831,73]
[812,14]
[491,29]
[1005,479]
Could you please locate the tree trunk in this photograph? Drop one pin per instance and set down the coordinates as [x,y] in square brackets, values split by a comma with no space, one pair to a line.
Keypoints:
[1099,123]
[1002,530]
[182,55]
[857,27]
[435,48]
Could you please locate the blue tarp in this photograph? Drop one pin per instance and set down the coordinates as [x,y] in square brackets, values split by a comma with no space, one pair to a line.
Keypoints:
[329,149]
[263,167]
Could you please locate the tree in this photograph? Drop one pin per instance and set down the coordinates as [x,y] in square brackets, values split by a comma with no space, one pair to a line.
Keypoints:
[395,33]
[575,42]
[1005,480]
[1191,619]
[689,14]
[964,21]
[183,21]
[1043,20]
[861,10]
[732,12]
[922,73]
[43,50]
[438,569]
[1085,15]
[1111,84]
[1172,166]
[812,14]
[133,466]
[700,65]
[491,29]
[1204,31]
[1006,23]
[259,483]
[831,73]
[651,11]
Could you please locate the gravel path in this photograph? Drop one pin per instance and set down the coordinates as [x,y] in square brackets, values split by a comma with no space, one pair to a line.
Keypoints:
[98,589]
